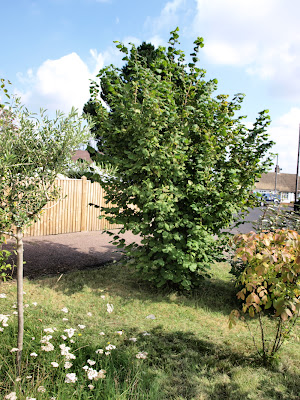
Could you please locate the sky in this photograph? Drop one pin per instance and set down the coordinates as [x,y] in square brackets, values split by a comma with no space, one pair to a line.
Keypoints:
[50,49]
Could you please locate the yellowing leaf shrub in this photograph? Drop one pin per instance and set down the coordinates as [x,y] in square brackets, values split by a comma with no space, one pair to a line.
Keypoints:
[270,281]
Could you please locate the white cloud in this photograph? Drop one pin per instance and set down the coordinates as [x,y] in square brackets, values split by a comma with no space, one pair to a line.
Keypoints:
[285,132]
[169,16]
[63,83]
[109,56]
[263,36]
[221,52]
[132,39]
[54,75]
[156,40]
[57,84]
[171,7]
[236,10]
[98,60]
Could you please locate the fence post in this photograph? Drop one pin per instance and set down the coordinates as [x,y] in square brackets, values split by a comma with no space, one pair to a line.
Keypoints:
[83,225]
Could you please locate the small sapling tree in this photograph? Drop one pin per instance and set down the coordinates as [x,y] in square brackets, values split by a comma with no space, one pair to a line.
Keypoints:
[185,164]
[269,285]
[33,150]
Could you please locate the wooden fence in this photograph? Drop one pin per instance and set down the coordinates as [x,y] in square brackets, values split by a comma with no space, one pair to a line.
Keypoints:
[72,213]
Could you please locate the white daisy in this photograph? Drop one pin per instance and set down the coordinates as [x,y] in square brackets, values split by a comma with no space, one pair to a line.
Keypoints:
[71,378]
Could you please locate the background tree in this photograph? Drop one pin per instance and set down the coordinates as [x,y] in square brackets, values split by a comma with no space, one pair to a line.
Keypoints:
[147,54]
[32,152]
[185,164]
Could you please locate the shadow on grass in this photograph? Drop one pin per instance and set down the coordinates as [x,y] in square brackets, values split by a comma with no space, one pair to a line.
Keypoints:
[70,256]
[187,368]
[289,390]
[216,295]
[121,280]
[179,366]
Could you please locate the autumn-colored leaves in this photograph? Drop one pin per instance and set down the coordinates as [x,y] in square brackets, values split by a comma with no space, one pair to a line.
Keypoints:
[271,277]
[272,272]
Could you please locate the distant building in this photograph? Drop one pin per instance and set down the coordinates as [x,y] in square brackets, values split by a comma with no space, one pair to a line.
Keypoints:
[286,185]
[83,155]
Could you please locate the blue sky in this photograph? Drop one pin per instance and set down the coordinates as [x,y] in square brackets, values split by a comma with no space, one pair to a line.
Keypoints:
[51,48]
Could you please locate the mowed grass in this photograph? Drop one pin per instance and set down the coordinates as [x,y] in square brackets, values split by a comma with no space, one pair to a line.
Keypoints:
[187,350]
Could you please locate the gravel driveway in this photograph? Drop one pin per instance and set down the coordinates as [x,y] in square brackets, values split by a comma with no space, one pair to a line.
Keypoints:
[55,254]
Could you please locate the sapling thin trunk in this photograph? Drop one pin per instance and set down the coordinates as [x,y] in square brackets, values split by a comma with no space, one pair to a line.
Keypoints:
[19,238]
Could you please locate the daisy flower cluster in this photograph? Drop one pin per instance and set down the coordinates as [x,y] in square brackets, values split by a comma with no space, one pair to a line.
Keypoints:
[93,374]
[46,344]
[64,349]
[3,320]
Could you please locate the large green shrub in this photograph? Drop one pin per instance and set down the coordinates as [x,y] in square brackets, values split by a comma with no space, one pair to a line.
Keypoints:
[184,163]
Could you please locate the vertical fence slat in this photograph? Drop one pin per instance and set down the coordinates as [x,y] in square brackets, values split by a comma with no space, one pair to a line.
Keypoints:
[64,208]
[84,205]
[69,197]
[72,208]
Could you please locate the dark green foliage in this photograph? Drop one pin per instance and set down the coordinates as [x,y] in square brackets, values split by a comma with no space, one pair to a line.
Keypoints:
[147,54]
[185,163]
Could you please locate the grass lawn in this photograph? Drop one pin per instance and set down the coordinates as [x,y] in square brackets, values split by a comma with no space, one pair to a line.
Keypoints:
[182,351]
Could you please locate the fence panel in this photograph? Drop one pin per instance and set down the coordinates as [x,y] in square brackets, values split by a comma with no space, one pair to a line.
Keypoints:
[72,212]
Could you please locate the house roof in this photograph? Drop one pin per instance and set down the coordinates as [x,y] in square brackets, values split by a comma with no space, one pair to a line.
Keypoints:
[82,154]
[285,182]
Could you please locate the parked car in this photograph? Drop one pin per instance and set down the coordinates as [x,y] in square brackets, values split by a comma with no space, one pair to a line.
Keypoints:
[269,198]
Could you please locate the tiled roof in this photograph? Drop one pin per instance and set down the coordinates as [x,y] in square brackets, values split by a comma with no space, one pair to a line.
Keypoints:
[285,182]
[83,154]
